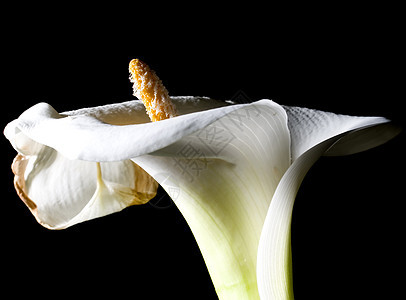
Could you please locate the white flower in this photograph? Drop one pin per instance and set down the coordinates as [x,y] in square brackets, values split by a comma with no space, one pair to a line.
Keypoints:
[232,170]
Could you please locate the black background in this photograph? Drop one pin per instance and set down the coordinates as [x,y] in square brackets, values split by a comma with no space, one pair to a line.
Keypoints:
[348,220]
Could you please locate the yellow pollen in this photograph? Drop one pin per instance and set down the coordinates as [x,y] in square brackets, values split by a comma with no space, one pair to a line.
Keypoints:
[149,89]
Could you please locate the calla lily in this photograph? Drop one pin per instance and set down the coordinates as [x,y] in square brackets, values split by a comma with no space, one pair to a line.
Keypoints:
[232,170]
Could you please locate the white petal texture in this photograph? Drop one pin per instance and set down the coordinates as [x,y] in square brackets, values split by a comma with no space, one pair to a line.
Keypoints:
[62,192]
[227,173]
[232,170]
[58,185]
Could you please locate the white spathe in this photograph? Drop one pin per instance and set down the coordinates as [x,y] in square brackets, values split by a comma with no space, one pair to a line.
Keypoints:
[232,170]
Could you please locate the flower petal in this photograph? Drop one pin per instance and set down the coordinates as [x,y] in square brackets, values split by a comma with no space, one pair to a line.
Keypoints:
[222,178]
[85,135]
[133,112]
[274,273]
[313,134]
[364,138]
[62,192]
[308,127]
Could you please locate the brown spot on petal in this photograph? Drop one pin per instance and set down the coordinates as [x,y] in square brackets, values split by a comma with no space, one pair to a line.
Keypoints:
[145,186]
[18,168]
[277,172]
